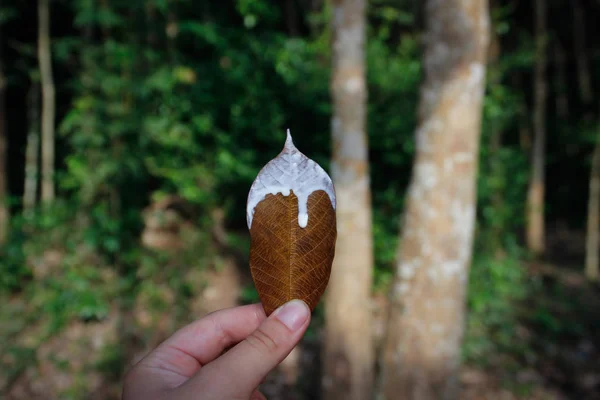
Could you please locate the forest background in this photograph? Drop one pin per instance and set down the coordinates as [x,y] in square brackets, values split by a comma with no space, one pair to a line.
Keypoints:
[130,132]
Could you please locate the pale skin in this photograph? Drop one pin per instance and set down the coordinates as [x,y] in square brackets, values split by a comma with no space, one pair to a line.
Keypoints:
[191,365]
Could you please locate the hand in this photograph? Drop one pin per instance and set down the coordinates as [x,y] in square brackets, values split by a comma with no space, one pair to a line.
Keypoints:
[190,364]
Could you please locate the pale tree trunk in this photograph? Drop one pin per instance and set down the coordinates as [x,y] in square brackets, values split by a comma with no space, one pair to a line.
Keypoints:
[593,218]
[4,212]
[349,352]
[536,192]
[48,101]
[421,353]
[592,256]
[32,150]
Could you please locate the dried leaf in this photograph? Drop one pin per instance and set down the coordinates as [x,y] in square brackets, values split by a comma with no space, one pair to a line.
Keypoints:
[292,222]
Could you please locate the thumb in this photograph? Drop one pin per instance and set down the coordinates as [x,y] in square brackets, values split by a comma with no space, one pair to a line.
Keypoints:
[238,372]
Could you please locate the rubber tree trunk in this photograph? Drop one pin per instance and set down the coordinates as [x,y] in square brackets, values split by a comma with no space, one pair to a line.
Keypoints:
[593,219]
[494,159]
[48,101]
[583,70]
[4,211]
[537,187]
[421,353]
[585,92]
[349,352]
[30,191]
[561,81]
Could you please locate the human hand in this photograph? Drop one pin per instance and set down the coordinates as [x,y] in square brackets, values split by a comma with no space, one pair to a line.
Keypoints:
[190,364]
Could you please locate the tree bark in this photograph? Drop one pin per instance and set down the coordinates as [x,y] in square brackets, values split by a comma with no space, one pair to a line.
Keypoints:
[349,352]
[536,192]
[32,150]
[496,166]
[291,16]
[593,219]
[421,354]
[561,81]
[583,69]
[48,101]
[592,257]
[4,212]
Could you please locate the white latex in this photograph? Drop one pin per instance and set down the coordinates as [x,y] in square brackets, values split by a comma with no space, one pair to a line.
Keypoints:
[290,171]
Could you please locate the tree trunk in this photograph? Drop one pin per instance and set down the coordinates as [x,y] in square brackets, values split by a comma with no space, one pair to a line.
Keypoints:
[291,16]
[421,354]
[592,271]
[48,101]
[150,27]
[32,150]
[4,212]
[349,352]
[593,218]
[172,30]
[561,81]
[583,69]
[535,195]
[496,165]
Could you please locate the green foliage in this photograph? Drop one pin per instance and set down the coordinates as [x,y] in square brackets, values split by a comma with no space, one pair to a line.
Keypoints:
[112,362]
[6,14]
[497,289]
[13,272]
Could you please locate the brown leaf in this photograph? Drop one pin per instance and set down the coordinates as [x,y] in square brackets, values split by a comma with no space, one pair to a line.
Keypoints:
[292,222]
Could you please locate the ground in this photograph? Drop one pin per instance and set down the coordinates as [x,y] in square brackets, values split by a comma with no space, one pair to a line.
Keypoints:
[86,358]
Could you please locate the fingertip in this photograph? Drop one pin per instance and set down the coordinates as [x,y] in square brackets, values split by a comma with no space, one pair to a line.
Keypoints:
[293,314]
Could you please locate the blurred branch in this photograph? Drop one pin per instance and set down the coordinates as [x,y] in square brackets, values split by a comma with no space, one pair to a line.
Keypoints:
[32,149]
[48,100]
[4,211]
[579,44]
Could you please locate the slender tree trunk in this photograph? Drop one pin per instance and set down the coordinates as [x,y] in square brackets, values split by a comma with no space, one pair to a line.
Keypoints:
[32,150]
[151,38]
[88,60]
[494,77]
[349,352]
[313,7]
[172,30]
[524,121]
[593,218]
[585,92]
[421,354]
[536,192]
[291,15]
[498,227]
[105,28]
[48,101]
[562,98]
[583,69]
[4,212]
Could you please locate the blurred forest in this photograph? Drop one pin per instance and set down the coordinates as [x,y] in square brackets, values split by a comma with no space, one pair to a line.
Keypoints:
[131,131]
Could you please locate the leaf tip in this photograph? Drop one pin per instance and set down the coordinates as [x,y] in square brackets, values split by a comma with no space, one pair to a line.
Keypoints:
[288,141]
